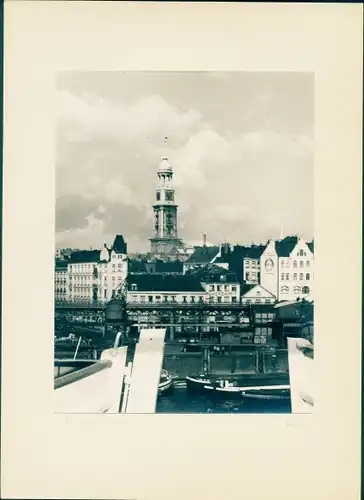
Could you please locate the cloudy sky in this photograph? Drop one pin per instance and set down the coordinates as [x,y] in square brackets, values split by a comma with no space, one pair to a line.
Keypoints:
[241,147]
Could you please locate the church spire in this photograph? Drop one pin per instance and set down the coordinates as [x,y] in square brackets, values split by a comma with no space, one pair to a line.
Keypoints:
[165,237]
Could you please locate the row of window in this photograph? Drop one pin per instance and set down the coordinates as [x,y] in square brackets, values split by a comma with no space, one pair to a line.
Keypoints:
[219,288]
[166,298]
[251,263]
[301,263]
[264,315]
[80,267]
[192,299]
[185,299]
[89,267]
[256,301]
[296,289]
[89,279]
[295,276]
[89,271]
[252,276]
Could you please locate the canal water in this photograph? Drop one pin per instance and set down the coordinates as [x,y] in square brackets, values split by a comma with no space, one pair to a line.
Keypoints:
[179,400]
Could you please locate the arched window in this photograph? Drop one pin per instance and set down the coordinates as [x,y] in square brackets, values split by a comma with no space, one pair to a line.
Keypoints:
[284,289]
[301,263]
[294,276]
[305,290]
[307,276]
[307,263]
[259,294]
[301,276]
[297,289]
[294,263]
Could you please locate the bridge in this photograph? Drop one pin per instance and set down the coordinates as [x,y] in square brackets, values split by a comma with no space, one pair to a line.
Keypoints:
[180,318]
[63,304]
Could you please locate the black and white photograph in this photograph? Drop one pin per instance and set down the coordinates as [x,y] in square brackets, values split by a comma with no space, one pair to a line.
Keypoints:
[184,242]
[182,219]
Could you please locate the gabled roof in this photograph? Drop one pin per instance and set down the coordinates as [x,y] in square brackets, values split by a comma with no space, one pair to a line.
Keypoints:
[84,256]
[212,273]
[119,245]
[136,266]
[203,255]
[61,265]
[284,247]
[254,251]
[244,290]
[168,267]
[164,283]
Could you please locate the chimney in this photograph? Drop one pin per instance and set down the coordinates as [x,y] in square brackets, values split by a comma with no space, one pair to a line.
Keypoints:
[204,239]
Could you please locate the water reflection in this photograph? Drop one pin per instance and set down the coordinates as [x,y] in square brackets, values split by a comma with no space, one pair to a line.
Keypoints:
[181,401]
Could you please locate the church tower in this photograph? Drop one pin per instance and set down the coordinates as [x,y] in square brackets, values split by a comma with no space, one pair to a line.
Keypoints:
[165,239]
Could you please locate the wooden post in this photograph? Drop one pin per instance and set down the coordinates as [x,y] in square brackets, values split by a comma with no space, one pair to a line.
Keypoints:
[256,361]
[171,328]
[206,360]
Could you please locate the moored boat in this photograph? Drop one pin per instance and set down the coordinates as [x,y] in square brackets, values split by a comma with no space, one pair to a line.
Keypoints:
[267,393]
[165,382]
[251,386]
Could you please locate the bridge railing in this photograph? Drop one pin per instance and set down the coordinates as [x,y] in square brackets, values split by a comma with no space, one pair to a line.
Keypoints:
[79,304]
[148,305]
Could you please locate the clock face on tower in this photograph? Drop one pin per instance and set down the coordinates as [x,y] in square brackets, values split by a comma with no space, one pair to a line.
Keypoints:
[269,264]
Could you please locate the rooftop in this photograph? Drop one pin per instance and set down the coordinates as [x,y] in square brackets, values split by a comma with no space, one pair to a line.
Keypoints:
[61,265]
[84,256]
[164,283]
[284,247]
[158,266]
[213,274]
[119,245]
[203,255]
[234,258]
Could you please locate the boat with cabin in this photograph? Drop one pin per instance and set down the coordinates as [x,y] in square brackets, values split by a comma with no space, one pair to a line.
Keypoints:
[250,386]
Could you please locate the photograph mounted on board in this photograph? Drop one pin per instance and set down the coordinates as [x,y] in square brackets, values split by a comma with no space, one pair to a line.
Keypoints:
[184,245]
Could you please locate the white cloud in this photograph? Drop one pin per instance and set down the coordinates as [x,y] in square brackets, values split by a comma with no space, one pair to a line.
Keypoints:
[91,236]
[243,182]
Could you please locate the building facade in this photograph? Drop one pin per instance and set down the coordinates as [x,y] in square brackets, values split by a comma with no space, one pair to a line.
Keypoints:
[161,289]
[61,282]
[287,268]
[244,261]
[256,294]
[92,275]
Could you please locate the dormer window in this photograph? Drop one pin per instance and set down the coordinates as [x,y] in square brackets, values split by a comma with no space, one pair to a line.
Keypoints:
[222,277]
[133,287]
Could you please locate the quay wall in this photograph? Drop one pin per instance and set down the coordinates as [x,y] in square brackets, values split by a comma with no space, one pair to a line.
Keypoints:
[184,364]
